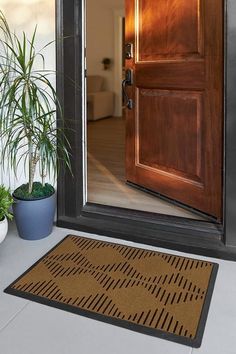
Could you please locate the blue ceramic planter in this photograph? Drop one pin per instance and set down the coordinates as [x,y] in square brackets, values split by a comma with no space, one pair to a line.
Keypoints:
[34,218]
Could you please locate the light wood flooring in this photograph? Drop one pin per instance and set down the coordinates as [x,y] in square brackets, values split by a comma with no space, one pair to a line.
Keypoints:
[106,172]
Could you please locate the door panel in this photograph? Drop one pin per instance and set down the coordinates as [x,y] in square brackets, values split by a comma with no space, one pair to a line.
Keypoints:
[168,29]
[163,136]
[175,131]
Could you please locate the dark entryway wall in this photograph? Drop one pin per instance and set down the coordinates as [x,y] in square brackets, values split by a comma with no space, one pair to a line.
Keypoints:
[74,212]
[230,124]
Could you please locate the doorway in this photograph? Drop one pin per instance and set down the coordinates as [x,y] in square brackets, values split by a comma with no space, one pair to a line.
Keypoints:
[74,210]
[161,155]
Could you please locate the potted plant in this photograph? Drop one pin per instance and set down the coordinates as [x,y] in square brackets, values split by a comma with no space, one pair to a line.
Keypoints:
[6,202]
[106,63]
[29,131]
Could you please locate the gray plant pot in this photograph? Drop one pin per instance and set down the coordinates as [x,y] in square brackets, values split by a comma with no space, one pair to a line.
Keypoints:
[34,218]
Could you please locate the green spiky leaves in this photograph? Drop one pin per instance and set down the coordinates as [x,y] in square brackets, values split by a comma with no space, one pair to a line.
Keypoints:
[29,108]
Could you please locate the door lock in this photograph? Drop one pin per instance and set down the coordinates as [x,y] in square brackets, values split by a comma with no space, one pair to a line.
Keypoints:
[129,51]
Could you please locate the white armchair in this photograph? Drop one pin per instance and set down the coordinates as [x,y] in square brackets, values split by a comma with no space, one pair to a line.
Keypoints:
[100,104]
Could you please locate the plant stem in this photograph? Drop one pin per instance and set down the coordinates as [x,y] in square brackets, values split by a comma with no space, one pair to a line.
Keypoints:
[43,180]
[32,167]
[43,174]
[33,160]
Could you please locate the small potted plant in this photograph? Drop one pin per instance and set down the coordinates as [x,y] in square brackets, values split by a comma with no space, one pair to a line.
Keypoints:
[106,63]
[29,131]
[6,202]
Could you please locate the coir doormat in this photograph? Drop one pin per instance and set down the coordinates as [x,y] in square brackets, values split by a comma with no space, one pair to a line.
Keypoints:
[149,292]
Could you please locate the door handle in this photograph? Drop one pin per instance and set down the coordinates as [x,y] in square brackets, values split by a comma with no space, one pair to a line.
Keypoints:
[128,81]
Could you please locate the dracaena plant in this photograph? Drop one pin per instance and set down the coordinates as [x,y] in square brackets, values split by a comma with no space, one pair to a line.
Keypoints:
[28,102]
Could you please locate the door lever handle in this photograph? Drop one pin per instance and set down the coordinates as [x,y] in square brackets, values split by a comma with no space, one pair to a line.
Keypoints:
[128,81]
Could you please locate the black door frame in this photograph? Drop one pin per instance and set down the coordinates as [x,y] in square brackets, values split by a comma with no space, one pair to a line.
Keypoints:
[199,237]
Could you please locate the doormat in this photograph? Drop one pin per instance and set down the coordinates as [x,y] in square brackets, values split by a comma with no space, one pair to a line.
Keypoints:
[154,293]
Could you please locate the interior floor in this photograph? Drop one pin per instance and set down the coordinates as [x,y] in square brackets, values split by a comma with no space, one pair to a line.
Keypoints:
[106,172]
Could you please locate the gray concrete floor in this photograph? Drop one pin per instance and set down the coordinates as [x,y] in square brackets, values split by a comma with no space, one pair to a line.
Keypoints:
[30,328]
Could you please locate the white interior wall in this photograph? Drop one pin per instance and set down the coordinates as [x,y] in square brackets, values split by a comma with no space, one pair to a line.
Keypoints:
[23,15]
[101,39]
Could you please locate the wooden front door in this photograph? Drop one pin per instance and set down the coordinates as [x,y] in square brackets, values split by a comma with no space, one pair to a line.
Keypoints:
[174,138]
